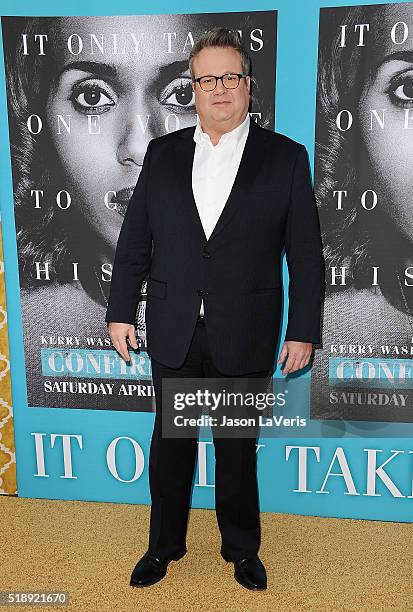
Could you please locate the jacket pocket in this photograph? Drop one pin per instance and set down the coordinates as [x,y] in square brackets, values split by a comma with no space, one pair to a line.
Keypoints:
[156,288]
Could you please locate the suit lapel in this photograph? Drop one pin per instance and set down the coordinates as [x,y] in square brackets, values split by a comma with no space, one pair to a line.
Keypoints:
[250,162]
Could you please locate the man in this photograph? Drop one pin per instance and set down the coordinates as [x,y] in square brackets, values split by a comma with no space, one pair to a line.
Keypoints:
[212,209]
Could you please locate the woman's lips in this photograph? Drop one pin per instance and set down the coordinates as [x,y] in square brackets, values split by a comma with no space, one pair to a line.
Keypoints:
[122,199]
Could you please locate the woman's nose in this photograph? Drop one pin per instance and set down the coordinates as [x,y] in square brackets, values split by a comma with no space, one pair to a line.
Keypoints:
[135,139]
[136,131]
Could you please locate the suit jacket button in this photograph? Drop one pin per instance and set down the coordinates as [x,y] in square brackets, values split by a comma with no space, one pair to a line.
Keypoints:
[200,292]
[206,254]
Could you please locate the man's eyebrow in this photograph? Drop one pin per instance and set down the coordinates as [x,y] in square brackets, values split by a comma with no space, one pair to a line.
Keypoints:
[405,56]
[102,69]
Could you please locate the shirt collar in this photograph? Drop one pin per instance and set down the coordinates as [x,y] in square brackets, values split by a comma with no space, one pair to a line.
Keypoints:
[233,136]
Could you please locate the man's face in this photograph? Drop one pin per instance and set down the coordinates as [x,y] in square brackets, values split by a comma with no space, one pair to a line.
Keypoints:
[220,109]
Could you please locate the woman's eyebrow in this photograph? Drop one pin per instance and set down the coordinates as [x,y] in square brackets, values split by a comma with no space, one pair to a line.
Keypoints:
[406,56]
[169,71]
[110,71]
[106,71]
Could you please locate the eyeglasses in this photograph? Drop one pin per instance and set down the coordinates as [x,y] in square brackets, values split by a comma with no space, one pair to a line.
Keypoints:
[230,81]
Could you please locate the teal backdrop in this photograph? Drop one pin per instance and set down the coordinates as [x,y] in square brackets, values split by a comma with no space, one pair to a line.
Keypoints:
[102,455]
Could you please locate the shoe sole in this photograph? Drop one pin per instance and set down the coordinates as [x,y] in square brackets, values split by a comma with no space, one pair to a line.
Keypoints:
[251,588]
[157,579]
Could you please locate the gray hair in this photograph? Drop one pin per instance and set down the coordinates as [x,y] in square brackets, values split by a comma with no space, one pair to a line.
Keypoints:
[221,37]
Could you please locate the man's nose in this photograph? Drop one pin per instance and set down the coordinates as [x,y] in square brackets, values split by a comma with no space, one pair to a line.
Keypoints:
[220,86]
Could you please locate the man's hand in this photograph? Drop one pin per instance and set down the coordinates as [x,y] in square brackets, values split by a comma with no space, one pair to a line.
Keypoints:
[299,354]
[119,332]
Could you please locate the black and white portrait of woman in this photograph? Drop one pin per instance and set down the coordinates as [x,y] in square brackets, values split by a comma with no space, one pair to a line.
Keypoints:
[364,188]
[85,96]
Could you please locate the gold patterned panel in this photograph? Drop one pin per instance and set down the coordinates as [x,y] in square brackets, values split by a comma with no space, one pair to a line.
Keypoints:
[8,484]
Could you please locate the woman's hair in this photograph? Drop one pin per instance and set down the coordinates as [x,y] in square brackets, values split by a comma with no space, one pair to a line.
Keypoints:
[341,156]
[40,237]
[42,234]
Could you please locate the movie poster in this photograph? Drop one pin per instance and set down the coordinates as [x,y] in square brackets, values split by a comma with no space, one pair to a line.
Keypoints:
[364,188]
[85,96]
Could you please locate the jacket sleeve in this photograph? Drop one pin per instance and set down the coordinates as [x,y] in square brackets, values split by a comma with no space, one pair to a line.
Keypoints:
[304,253]
[133,253]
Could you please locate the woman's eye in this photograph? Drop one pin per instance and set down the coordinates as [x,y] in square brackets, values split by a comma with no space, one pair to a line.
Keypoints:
[178,93]
[91,97]
[403,92]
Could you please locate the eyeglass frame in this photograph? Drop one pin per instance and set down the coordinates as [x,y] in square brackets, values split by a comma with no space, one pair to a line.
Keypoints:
[240,75]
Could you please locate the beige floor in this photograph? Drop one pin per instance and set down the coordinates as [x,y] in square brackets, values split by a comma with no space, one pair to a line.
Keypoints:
[89,549]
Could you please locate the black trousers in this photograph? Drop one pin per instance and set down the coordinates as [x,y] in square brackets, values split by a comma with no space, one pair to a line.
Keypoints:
[171,471]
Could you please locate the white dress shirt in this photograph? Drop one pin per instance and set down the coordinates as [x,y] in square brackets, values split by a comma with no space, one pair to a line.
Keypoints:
[213,172]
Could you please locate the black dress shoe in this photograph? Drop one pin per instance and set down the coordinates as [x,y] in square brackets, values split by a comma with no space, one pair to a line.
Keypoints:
[250,573]
[150,569]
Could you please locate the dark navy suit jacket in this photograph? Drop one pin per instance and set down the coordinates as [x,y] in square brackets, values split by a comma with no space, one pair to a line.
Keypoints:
[237,271]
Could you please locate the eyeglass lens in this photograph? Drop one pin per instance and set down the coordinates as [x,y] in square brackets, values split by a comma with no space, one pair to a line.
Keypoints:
[230,81]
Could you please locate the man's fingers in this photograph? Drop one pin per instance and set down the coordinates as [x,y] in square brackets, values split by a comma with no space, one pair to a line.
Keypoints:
[295,363]
[118,333]
[283,354]
[132,337]
[289,364]
[121,346]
